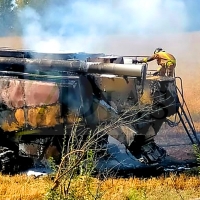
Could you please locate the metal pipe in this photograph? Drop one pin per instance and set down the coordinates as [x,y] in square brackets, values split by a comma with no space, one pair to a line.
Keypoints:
[30,65]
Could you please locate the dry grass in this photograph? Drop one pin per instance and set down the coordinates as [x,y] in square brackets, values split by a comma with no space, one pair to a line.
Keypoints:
[176,188]
[22,187]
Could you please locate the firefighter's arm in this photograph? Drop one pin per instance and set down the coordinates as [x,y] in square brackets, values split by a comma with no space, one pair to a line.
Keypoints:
[147,59]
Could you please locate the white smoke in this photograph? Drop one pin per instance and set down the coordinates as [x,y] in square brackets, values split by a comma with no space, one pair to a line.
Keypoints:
[13,4]
[81,25]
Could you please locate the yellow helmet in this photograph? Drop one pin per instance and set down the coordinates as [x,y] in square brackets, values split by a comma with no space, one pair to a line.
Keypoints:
[158,50]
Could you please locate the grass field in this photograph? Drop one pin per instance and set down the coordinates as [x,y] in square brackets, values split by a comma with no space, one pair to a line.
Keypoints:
[171,188]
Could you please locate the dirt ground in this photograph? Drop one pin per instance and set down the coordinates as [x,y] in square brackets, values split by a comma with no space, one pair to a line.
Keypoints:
[185,47]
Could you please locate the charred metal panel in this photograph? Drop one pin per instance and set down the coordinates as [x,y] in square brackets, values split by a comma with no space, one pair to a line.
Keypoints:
[102,113]
[5,52]
[17,93]
[159,99]
[26,118]
[146,97]
[34,118]
[105,59]
[29,104]
[120,92]
[159,90]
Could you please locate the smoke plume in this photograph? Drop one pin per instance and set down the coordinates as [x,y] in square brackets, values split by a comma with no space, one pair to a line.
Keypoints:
[84,25]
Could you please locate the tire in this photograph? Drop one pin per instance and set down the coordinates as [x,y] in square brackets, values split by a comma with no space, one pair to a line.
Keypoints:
[7,160]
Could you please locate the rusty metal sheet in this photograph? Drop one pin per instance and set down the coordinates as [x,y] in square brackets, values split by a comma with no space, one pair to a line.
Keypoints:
[118,89]
[16,93]
[37,117]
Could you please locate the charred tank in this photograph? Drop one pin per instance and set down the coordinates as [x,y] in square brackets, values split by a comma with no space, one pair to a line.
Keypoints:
[41,93]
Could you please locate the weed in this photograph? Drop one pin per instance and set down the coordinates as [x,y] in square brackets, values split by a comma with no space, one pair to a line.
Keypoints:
[135,194]
[197,153]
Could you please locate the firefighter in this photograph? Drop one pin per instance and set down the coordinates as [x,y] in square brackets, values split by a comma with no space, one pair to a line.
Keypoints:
[166,61]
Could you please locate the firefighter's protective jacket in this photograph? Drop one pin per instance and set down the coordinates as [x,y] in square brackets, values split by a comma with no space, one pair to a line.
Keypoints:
[165,60]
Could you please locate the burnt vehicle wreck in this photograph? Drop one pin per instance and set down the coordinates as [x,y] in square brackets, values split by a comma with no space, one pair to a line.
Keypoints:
[43,92]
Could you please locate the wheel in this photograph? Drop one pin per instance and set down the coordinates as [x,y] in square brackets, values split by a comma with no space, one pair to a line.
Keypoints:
[7,160]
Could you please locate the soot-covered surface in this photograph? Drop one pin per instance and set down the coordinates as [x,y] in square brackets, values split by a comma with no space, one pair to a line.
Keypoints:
[120,162]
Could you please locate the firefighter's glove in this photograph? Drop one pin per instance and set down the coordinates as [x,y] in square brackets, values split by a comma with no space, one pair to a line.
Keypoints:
[155,73]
